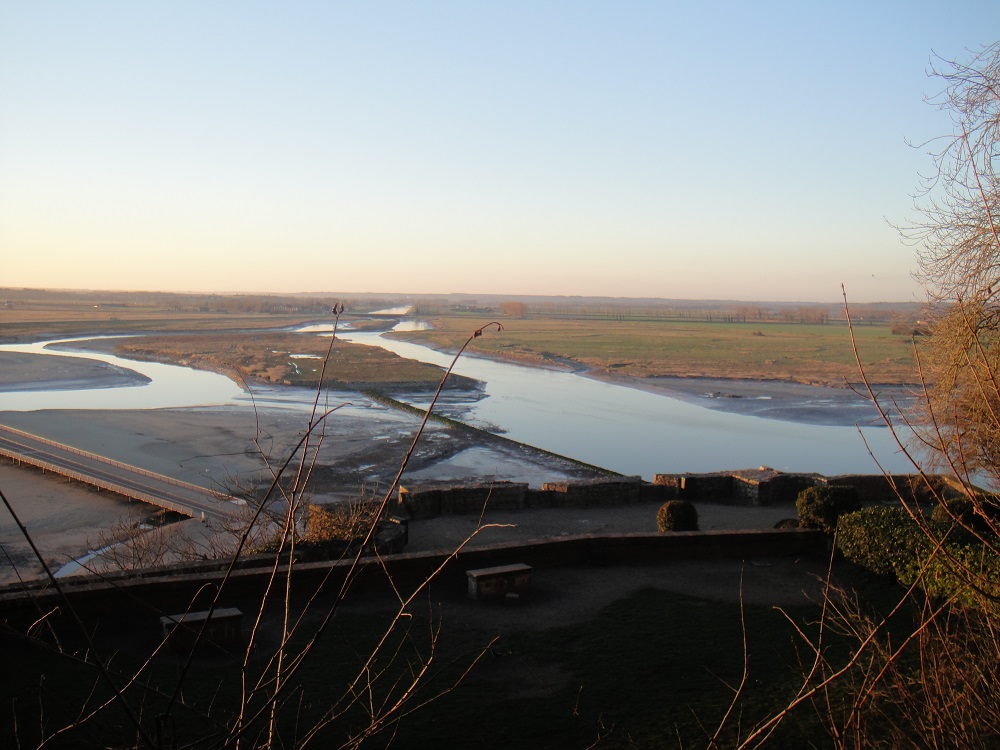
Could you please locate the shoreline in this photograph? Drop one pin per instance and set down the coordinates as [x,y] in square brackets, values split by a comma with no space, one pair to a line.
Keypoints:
[565,365]
[649,383]
[781,400]
[23,371]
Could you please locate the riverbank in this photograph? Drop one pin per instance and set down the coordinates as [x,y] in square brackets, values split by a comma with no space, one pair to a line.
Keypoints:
[783,400]
[771,399]
[40,372]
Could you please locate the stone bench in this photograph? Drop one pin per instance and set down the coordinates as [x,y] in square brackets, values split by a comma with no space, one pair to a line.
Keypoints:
[224,627]
[499,582]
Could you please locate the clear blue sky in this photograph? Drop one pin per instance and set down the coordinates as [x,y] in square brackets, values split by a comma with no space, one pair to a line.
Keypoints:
[745,150]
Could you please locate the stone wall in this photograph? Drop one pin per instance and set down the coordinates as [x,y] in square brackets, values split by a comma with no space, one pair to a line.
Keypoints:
[911,487]
[765,486]
[595,493]
[436,498]
[430,499]
[135,601]
[769,487]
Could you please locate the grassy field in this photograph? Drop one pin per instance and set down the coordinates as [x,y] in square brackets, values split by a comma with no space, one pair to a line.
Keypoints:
[820,354]
[55,315]
[652,670]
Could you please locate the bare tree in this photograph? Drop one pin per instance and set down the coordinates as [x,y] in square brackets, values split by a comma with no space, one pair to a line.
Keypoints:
[926,673]
[959,260]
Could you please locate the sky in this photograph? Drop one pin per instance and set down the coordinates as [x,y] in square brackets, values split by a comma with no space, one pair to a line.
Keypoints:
[698,150]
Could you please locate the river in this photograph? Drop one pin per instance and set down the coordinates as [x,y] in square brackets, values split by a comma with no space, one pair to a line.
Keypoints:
[620,428]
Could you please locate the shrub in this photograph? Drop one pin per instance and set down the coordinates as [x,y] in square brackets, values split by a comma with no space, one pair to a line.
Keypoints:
[908,328]
[889,542]
[819,507]
[677,515]
[886,541]
[957,518]
[338,521]
[979,514]
[787,523]
[957,509]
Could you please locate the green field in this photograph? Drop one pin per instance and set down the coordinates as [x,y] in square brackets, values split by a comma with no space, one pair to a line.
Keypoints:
[805,353]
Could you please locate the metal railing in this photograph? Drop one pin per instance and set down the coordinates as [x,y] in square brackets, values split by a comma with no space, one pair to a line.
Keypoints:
[111,486]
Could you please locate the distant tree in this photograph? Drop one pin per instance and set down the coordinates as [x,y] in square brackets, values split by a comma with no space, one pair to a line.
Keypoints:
[514,309]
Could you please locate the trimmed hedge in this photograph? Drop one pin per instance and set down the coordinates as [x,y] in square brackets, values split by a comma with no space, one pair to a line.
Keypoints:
[819,507]
[886,541]
[677,515]
[889,542]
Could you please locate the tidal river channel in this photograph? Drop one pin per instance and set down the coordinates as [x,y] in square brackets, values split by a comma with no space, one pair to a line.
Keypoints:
[638,432]
[621,428]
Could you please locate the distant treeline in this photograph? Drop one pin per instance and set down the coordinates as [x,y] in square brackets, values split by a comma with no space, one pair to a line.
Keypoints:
[597,308]
[815,314]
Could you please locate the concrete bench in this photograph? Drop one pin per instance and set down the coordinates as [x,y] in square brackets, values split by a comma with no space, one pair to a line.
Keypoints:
[498,582]
[224,627]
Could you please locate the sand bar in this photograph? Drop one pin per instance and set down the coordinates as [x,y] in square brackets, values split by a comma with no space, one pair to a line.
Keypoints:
[41,372]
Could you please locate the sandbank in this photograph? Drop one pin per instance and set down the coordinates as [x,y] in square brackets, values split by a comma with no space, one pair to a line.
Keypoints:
[774,399]
[21,371]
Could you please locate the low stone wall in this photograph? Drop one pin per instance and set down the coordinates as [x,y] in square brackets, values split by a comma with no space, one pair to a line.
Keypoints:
[763,486]
[911,487]
[770,487]
[595,493]
[766,486]
[430,499]
[434,499]
[129,601]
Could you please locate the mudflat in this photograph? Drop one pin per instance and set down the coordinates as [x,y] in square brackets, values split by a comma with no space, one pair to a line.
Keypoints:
[35,372]
[777,399]
[63,518]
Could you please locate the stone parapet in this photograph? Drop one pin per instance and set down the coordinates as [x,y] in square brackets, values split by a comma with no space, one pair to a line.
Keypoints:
[434,499]
[766,486]
[593,493]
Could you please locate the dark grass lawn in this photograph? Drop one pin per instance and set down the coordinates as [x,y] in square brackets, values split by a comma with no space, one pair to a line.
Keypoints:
[653,670]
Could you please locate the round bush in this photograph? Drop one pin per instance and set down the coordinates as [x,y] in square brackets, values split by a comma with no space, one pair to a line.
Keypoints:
[958,509]
[957,518]
[819,507]
[979,515]
[677,515]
